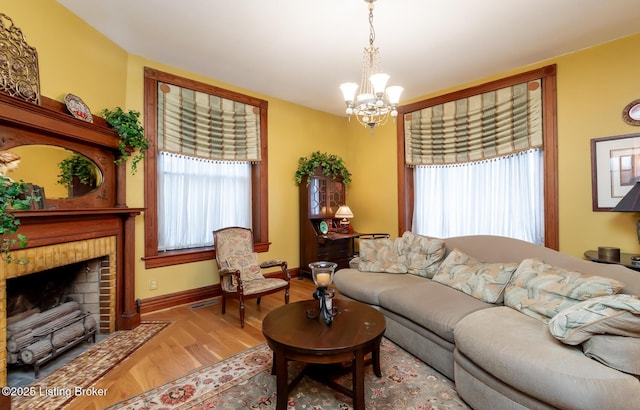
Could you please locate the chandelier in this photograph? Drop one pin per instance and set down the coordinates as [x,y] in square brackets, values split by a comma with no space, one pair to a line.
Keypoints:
[375,102]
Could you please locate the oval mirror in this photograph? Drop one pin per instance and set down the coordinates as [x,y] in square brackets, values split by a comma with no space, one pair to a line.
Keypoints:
[61,172]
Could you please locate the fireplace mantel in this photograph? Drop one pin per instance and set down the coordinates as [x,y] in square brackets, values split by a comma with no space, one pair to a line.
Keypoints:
[98,214]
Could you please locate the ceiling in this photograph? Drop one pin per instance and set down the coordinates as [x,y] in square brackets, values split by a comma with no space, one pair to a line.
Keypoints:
[301,51]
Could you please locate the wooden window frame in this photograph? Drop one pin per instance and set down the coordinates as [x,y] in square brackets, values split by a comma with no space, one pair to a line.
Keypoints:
[549,127]
[259,174]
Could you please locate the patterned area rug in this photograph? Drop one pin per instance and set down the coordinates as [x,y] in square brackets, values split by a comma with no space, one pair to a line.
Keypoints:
[84,370]
[244,381]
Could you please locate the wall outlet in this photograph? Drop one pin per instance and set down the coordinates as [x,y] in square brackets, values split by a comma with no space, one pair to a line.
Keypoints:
[153,284]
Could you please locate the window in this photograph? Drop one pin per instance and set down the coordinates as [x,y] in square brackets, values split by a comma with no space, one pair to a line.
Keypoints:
[206,167]
[461,173]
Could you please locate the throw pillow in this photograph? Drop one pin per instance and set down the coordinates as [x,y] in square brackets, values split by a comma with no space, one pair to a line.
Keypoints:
[614,315]
[484,281]
[247,265]
[542,291]
[422,254]
[380,255]
[620,352]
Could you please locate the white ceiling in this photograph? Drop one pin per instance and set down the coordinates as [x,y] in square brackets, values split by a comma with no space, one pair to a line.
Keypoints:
[300,51]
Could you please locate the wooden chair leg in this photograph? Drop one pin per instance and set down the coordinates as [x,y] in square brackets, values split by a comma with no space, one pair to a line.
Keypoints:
[224,304]
[286,296]
[258,301]
[241,312]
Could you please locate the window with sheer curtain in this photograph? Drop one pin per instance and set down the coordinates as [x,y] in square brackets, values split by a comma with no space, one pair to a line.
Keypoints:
[479,165]
[206,145]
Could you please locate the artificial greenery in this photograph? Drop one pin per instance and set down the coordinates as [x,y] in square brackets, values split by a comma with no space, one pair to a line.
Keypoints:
[12,197]
[127,125]
[331,165]
[79,166]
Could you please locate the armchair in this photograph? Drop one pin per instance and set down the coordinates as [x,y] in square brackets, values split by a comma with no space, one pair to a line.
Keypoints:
[241,277]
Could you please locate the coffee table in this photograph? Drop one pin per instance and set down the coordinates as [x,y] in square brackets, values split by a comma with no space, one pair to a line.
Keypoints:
[355,332]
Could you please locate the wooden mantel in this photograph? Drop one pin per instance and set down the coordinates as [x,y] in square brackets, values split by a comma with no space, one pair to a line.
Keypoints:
[101,213]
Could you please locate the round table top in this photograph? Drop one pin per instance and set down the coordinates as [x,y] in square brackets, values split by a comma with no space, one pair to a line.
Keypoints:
[355,324]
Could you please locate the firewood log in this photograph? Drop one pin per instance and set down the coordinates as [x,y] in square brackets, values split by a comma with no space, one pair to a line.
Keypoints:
[60,322]
[21,316]
[64,336]
[41,318]
[58,339]
[15,344]
[35,351]
[12,358]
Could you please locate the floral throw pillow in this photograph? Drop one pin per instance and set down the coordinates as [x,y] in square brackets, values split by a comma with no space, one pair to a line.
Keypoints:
[380,255]
[421,254]
[542,291]
[612,315]
[484,281]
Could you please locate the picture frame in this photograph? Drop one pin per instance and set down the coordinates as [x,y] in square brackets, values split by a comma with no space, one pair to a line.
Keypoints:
[615,167]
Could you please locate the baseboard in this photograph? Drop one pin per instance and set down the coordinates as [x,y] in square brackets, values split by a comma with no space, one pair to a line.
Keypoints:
[170,300]
[179,298]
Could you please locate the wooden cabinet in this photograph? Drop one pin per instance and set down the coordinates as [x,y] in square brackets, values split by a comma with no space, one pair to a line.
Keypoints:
[320,197]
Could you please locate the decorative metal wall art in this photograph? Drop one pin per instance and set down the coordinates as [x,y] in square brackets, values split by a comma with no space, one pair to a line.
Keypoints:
[19,76]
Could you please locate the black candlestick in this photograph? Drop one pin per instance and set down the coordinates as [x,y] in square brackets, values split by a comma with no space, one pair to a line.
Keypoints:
[323,293]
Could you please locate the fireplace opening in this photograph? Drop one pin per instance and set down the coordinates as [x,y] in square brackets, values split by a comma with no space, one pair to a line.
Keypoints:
[53,316]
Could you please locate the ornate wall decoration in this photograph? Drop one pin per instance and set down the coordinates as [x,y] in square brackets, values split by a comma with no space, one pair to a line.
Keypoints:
[19,76]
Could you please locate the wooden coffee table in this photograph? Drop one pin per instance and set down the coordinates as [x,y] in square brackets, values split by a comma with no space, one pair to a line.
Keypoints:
[355,332]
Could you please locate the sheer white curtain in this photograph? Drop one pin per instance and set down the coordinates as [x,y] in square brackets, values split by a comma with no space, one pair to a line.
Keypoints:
[197,196]
[502,196]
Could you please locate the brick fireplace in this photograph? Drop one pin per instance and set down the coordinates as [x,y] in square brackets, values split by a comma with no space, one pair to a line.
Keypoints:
[70,230]
[51,256]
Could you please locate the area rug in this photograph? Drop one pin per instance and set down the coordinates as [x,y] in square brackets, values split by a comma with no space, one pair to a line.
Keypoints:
[244,381]
[87,368]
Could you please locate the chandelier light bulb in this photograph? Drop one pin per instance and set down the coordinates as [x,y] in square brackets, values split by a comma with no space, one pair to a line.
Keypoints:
[393,93]
[379,82]
[349,91]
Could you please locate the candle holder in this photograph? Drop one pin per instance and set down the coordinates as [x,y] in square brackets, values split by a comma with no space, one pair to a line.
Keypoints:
[322,274]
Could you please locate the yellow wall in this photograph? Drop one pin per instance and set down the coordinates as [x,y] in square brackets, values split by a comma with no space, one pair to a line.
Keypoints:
[593,86]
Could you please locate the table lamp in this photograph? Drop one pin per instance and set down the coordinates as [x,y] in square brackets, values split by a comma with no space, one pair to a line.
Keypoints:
[631,203]
[345,213]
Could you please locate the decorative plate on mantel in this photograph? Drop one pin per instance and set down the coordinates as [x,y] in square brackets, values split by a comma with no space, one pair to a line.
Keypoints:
[78,108]
[631,113]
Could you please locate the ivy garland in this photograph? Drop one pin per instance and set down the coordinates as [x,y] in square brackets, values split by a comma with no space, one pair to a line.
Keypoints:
[331,165]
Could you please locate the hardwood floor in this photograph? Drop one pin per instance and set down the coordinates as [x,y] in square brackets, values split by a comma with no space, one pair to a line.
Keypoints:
[196,337]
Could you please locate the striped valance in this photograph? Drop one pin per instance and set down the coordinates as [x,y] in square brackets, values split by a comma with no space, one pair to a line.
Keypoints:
[488,125]
[198,124]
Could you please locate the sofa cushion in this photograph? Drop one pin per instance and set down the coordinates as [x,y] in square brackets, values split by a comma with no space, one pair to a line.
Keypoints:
[367,286]
[519,351]
[541,290]
[614,315]
[380,255]
[421,254]
[431,305]
[619,352]
[484,281]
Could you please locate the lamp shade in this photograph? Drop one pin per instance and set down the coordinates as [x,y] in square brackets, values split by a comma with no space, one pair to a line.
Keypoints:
[344,212]
[631,201]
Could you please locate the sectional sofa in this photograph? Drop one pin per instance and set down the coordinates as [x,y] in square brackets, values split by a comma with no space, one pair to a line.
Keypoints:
[514,324]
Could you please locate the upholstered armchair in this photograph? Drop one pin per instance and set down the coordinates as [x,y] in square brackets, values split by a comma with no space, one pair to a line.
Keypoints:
[241,275]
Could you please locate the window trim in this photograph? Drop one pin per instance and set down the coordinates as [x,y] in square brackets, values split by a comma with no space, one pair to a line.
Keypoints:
[549,117]
[259,174]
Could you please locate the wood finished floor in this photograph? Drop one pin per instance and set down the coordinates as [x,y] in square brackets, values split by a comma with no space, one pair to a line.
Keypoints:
[195,338]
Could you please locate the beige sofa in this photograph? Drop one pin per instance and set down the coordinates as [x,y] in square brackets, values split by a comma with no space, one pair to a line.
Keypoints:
[500,356]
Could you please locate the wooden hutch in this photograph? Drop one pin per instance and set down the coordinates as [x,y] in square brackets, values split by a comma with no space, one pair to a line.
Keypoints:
[320,198]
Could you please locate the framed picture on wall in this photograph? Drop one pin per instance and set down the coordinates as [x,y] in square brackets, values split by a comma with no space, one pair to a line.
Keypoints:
[615,167]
